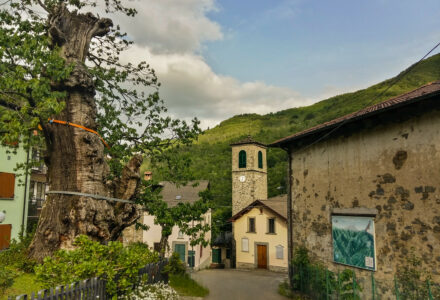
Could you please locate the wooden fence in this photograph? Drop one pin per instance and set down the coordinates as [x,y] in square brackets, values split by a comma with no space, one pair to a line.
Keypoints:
[93,288]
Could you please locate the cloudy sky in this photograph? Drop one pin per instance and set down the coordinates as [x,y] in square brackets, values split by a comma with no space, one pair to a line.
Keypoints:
[219,58]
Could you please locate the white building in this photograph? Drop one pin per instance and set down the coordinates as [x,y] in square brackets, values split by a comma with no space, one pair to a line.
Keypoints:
[194,256]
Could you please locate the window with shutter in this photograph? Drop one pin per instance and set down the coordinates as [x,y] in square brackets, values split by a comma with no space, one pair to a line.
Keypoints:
[244,245]
[7,185]
[279,251]
[260,159]
[242,159]
[271,225]
[251,225]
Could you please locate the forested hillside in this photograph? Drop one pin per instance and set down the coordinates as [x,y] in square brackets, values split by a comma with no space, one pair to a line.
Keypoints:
[211,154]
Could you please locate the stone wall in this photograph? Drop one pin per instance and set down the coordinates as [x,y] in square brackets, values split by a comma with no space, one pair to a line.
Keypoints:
[255,185]
[393,168]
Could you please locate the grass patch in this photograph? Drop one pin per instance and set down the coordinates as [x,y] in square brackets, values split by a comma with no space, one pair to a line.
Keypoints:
[25,283]
[185,286]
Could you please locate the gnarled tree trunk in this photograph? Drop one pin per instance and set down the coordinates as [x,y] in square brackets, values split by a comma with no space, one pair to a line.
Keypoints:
[75,159]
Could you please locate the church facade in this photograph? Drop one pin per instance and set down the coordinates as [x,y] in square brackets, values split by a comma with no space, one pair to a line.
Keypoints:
[259,223]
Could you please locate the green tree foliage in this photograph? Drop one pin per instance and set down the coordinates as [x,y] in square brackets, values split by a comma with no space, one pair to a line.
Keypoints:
[187,216]
[33,85]
[92,259]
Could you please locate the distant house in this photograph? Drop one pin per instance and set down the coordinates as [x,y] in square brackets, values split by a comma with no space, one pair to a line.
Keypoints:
[259,224]
[365,187]
[260,232]
[22,201]
[194,256]
[13,195]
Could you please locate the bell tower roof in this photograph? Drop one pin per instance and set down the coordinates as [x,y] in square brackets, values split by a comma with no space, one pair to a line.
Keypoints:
[248,140]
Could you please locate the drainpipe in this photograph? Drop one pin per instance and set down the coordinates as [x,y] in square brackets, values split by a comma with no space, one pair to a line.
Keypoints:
[289,216]
[25,198]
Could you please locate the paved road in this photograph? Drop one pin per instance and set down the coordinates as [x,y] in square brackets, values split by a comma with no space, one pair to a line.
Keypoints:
[231,284]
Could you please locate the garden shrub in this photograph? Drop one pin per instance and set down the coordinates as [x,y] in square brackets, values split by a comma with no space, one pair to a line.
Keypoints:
[157,291]
[16,256]
[175,266]
[118,264]
[6,279]
[314,279]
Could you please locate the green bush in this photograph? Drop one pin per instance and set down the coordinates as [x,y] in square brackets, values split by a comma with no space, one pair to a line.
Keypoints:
[16,256]
[118,264]
[6,279]
[175,266]
[314,279]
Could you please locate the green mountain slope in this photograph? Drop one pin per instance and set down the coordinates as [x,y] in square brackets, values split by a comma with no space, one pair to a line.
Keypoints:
[211,154]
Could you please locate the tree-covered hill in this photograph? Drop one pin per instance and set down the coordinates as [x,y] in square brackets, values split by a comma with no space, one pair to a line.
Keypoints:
[211,154]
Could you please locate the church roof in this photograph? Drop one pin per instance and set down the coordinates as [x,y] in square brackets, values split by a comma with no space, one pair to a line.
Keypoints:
[426,91]
[189,193]
[277,205]
[248,140]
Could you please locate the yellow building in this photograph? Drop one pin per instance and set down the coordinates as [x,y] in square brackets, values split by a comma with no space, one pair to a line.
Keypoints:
[260,232]
[259,224]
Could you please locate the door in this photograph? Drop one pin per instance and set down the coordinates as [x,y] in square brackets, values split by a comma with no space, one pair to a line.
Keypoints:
[217,256]
[191,258]
[180,248]
[262,256]
[5,235]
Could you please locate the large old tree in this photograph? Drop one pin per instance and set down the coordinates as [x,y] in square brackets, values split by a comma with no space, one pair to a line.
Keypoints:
[58,62]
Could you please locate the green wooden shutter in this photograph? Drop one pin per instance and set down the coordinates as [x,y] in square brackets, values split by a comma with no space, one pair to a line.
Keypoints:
[242,159]
[260,159]
[180,248]
[191,258]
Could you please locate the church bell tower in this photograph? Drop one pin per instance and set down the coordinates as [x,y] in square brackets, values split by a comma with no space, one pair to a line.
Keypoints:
[249,173]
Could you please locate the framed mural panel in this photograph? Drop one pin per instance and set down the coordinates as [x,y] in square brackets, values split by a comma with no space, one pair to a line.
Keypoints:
[354,241]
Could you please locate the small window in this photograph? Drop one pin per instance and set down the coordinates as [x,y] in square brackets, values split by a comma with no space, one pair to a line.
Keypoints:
[251,225]
[279,251]
[7,185]
[242,159]
[260,159]
[228,253]
[156,247]
[244,245]
[271,225]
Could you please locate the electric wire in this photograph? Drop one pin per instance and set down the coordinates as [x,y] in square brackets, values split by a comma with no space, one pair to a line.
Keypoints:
[396,80]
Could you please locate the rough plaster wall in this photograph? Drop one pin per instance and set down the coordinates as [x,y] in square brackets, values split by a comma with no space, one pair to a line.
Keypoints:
[255,186]
[393,168]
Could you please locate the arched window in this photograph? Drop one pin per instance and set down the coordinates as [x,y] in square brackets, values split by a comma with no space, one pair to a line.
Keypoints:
[242,159]
[260,159]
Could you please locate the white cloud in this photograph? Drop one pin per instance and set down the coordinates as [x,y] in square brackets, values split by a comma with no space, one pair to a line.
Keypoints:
[191,88]
[168,35]
[172,26]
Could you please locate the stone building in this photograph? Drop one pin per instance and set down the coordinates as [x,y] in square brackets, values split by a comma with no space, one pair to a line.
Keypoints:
[259,224]
[377,167]
[249,173]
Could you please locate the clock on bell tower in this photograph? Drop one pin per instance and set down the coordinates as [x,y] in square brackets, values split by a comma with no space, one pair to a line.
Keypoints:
[249,173]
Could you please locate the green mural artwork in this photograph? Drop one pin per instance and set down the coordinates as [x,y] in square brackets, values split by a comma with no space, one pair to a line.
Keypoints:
[353,241]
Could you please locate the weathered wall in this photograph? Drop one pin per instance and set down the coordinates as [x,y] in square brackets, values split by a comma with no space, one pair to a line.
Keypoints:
[393,168]
[255,185]
[248,259]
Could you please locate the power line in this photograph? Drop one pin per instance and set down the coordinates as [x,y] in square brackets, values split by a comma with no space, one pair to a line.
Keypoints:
[396,80]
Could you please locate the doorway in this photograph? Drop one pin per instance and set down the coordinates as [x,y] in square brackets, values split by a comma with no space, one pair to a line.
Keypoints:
[262,256]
